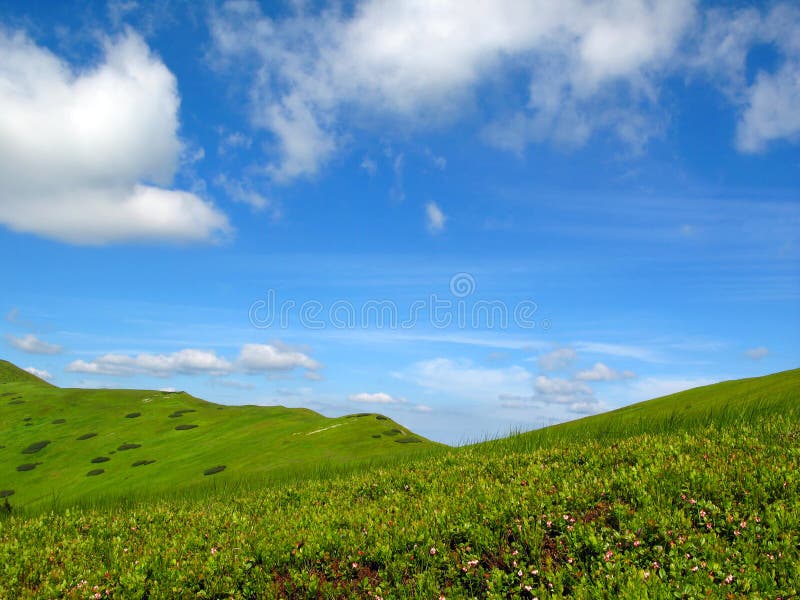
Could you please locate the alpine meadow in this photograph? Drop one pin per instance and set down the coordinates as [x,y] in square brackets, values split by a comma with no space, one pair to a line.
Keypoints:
[399,299]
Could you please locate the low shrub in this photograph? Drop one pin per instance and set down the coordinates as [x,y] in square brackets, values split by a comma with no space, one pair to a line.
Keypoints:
[86,436]
[214,470]
[100,459]
[35,447]
[95,472]
[184,427]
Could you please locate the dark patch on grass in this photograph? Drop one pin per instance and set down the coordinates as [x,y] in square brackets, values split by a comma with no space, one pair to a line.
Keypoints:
[393,431]
[381,418]
[28,424]
[35,447]
[409,440]
[376,435]
[184,427]
[26,419]
[13,402]
[361,415]
[6,493]
[141,463]
[28,467]
[133,415]
[129,447]
[87,436]
[95,472]
[6,394]
[180,413]
[214,470]
[59,421]
[100,459]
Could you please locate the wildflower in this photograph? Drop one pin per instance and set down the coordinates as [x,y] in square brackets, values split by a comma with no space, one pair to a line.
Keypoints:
[743,524]
[355,565]
[213,550]
[637,543]
[729,579]
[609,554]
[433,551]
[703,514]
[519,573]
[646,574]
[528,588]
[566,517]
[98,595]
[656,566]
[549,523]
[695,568]
[515,552]
[736,532]
[693,501]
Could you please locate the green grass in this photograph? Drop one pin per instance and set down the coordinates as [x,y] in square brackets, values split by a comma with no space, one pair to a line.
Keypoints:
[693,495]
[255,443]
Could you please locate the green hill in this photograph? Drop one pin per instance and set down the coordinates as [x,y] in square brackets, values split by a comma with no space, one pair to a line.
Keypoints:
[61,446]
[694,495]
[741,400]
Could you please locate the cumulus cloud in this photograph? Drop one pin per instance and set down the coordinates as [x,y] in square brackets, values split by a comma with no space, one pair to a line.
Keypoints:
[375,398]
[252,359]
[273,357]
[434,217]
[40,373]
[33,345]
[589,65]
[769,105]
[186,362]
[757,353]
[87,155]
[558,359]
[602,372]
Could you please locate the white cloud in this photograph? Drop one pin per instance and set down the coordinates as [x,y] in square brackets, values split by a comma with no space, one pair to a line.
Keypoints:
[770,104]
[253,359]
[757,353]
[33,345]
[375,398]
[421,62]
[161,365]
[369,165]
[773,109]
[558,359]
[86,156]
[239,192]
[576,395]
[434,217]
[465,380]
[602,372]
[40,373]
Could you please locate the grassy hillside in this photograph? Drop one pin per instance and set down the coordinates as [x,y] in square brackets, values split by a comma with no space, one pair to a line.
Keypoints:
[701,507]
[61,446]
[720,404]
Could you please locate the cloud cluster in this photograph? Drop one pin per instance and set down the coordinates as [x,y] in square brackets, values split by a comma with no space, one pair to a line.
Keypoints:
[87,156]
[252,359]
[589,65]
[602,372]
[33,345]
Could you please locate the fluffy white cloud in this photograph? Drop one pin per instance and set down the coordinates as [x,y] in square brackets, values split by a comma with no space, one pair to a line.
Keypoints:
[463,379]
[602,372]
[33,345]
[256,358]
[86,156]
[757,353]
[161,365]
[558,359]
[770,104]
[375,398]
[40,373]
[434,217]
[422,61]
[253,359]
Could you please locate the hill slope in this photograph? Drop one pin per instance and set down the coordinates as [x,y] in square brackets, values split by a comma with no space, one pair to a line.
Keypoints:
[741,400]
[66,445]
[700,506]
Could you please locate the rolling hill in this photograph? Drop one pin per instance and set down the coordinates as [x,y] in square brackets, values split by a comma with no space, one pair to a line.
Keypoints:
[61,446]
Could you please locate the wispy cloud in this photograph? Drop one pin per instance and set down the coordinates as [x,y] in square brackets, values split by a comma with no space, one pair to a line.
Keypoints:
[33,345]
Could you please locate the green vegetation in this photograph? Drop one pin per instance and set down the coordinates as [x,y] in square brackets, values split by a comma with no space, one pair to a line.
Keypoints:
[692,502]
[258,445]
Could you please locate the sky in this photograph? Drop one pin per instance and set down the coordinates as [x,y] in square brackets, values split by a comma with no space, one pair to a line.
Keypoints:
[474,217]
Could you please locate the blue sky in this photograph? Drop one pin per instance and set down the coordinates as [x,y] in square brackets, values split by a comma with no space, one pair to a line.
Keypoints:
[600,200]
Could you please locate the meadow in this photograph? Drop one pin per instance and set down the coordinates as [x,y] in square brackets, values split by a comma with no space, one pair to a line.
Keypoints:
[692,495]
